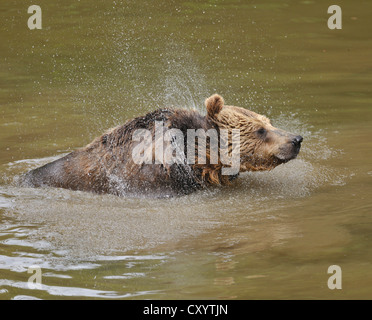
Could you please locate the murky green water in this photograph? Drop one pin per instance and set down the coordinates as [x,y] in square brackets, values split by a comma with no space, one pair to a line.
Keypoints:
[271,235]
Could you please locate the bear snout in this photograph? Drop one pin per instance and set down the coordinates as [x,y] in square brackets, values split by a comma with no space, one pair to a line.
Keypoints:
[296,145]
[296,141]
[290,149]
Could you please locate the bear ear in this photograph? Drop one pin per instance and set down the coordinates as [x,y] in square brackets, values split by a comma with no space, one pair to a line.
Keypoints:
[214,105]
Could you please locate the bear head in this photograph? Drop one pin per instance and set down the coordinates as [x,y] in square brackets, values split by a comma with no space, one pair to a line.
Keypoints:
[262,146]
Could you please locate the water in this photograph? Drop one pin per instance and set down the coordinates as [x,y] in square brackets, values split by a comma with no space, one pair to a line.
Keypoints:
[270,235]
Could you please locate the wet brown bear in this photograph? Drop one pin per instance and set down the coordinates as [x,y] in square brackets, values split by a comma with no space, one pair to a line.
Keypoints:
[108,165]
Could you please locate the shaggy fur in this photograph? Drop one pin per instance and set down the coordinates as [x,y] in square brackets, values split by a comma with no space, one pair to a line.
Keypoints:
[106,165]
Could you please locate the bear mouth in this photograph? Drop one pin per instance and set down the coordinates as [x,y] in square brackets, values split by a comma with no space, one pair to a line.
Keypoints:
[284,157]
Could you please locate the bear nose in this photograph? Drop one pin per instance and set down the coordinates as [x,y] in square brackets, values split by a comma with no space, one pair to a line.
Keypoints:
[297,140]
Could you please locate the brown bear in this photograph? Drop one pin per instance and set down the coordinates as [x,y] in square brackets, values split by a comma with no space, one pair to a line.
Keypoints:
[112,163]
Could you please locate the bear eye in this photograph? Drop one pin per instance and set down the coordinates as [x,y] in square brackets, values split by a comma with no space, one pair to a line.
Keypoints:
[261,131]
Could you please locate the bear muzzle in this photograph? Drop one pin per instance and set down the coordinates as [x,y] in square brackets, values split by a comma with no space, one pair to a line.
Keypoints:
[291,149]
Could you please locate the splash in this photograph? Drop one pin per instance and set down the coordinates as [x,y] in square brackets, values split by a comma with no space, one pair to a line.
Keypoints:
[184,83]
